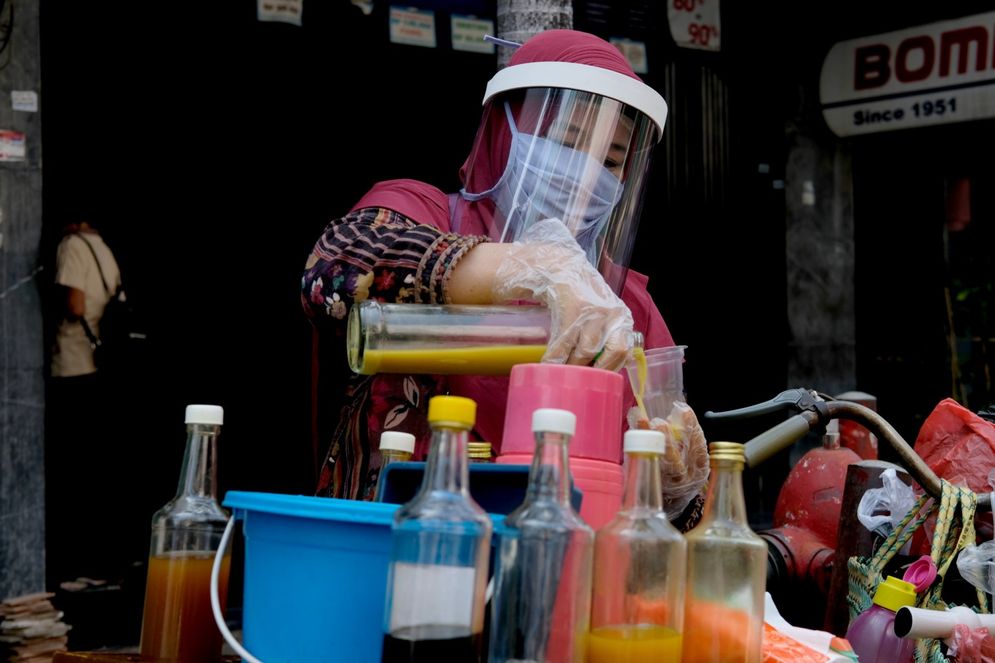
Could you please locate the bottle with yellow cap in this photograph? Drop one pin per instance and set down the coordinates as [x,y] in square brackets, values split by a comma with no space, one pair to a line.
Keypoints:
[441,544]
[726,570]
[872,633]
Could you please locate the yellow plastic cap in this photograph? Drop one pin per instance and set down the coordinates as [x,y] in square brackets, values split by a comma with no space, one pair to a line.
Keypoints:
[454,410]
[894,594]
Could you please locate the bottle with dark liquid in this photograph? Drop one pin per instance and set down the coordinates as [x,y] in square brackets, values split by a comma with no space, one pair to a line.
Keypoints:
[177,623]
[441,542]
[542,577]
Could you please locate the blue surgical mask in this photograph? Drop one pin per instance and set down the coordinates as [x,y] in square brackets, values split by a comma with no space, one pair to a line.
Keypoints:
[539,182]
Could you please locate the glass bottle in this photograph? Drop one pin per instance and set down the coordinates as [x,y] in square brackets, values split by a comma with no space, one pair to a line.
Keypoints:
[727,570]
[395,447]
[480,452]
[639,567]
[177,623]
[440,550]
[542,578]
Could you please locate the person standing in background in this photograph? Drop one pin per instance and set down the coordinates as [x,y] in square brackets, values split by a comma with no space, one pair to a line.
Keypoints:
[79,445]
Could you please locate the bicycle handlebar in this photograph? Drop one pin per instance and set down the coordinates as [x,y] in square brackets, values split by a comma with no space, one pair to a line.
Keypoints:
[783,435]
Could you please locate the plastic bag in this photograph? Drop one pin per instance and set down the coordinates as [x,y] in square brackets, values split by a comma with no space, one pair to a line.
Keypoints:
[977,565]
[971,645]
[784,643]
[881,509]
[684,464]
[958,445]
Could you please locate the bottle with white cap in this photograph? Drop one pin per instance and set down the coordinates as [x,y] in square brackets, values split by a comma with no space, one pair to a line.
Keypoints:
[542,579]
[639,567]
[395,447]
[177,624]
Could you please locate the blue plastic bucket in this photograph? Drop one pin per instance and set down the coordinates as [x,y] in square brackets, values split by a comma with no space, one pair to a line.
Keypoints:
[315,577]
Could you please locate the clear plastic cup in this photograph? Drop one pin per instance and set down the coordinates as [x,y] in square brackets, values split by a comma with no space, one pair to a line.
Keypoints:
[663,383]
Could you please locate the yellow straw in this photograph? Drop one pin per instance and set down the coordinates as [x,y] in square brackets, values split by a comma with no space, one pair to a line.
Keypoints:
[639,386]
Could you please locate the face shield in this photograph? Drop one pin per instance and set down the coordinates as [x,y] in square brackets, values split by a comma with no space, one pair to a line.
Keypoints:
[564,141]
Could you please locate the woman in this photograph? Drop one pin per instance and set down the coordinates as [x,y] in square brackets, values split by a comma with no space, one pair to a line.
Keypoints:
[548,211]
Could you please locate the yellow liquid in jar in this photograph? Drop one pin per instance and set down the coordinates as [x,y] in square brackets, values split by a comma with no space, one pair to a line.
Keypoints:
[482,360]
[633,644]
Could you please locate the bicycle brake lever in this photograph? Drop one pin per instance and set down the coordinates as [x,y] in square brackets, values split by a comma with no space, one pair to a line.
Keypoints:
[797,399]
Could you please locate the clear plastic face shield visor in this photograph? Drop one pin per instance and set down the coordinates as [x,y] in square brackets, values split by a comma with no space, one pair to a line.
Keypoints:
[577,154]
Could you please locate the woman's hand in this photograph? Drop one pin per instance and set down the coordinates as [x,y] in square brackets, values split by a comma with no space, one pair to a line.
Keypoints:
[549,267]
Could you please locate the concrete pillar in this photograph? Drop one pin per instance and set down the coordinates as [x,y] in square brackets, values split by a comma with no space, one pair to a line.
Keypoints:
[517,20]
[820,263]
[22,391]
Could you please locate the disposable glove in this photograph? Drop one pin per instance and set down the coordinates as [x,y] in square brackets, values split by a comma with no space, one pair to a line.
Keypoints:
[684,464]
[548,266]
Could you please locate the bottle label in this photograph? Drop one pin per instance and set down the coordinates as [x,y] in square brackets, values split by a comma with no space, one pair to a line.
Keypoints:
[432,594]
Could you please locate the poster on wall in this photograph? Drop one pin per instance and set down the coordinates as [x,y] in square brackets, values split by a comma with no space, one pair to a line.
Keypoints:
[694,23]
[25,101]
[414,27]
[12,146]
[634,51]
[933,74]
[280,11]
[468,33]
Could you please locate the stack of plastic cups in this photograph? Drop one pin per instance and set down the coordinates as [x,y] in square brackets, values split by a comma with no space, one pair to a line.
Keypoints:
[595,396]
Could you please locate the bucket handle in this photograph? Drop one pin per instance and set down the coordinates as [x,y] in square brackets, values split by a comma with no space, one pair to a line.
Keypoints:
[219,619]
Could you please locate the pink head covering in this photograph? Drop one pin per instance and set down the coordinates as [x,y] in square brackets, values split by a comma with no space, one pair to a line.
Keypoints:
[495,137]
[427,204]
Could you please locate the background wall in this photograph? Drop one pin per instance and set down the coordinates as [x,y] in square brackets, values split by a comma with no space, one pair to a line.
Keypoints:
[22,393]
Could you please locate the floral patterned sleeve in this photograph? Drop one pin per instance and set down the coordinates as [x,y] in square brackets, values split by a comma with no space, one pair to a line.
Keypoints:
[380,254]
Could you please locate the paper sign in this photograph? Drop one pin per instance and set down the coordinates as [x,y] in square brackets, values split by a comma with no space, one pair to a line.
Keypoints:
[468,34]
[634,52]
[415,27]
[282,11]
[11,145]
[694,23]
[24,100]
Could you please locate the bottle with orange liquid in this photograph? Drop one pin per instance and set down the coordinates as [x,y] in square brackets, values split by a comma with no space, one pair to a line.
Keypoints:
[639,558]
[727,570]
[177,624]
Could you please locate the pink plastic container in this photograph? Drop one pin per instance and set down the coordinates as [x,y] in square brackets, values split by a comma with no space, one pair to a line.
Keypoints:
[594,395]
[599,481]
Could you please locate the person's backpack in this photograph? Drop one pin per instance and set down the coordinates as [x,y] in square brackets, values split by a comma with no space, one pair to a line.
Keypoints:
[121,331]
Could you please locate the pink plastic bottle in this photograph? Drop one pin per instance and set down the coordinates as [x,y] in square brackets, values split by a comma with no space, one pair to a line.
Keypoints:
[872,633]
[595,396]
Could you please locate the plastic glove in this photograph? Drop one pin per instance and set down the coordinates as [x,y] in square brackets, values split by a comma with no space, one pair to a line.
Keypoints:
[684,464]
[548,266]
